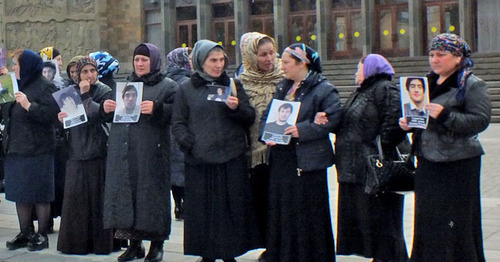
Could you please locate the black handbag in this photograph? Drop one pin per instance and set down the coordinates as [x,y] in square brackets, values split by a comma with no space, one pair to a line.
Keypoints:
[386,175]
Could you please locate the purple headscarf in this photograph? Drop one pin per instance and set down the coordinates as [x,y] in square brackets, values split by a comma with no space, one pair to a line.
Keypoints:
[179,57]
[376,64]
[153,53]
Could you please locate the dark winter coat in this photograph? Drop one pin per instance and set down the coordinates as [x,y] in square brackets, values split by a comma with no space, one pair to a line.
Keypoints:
[88,140]
[313,146]
[373,109]
[209,131]
[454,134]
[137,191]
[31,132]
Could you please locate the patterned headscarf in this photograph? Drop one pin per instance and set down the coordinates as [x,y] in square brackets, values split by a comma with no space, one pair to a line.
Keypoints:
[458,47]
[179,57]
[107,65]
[307,55]
[376,64]
[86,60]
[201,50]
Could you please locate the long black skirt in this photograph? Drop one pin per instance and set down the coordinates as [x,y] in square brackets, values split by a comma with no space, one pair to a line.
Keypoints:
[448,211]
[81,230]
[299,223]
[219,220]
[370,225]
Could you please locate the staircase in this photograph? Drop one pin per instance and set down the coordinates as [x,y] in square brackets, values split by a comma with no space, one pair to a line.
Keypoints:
[487,67]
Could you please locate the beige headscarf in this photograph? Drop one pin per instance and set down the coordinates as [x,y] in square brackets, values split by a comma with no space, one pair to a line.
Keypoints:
[260,88]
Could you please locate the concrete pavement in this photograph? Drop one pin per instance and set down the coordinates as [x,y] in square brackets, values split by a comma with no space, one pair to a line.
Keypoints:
[490,190]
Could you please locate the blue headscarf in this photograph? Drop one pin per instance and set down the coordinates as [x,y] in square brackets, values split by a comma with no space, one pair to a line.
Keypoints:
[458,47]
[107,65]
[307,55]
[376,64]
[30,67]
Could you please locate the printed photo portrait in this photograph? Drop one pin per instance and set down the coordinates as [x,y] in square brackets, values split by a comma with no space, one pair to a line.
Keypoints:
[218,93]
[3,57]
[414,97]
[282,114]
[128,102]
[8,86]
[69,101]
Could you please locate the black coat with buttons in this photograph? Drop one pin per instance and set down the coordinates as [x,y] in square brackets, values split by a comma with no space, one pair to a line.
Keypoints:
[137,191]
[313,146]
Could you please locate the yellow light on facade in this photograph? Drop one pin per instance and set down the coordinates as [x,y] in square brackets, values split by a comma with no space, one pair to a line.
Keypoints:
[233,43]
[452,28]
[183,45]
[220,42]
[298,38]
[402,31]
[356,34]
[434,29]
[386,32]
[341,35]
[313,37]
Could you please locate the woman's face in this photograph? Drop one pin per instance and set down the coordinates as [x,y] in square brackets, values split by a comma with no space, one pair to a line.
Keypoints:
[443,63]
[360,77]
[142,65]
[89,73]
[292,67]
[214,64]
[16,67]
[265,57]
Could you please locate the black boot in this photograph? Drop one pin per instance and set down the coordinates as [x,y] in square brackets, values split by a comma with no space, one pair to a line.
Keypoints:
[178,211]
[134,250]
[38,242]
[20,241]
[155,253]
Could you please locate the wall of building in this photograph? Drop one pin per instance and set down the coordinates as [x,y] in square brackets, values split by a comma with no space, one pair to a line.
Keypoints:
[488,27]
[74,27]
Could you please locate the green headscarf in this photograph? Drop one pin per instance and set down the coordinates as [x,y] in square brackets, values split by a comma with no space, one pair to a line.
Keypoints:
[201,50]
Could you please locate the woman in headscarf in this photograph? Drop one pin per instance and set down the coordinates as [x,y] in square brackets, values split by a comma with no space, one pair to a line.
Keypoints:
[71,70]
[179,70]
[447,194]
[219,221]
[369,225]
[137,198]
[29,144]
[299,224]
[81,230]
[261,75]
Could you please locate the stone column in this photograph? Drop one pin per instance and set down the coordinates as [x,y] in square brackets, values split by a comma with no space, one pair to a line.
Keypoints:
[466,19]
[241,24]
[203,19]
[323,26]
[168,26]
[488,35]
[281,10]
[417,41]
[368,17]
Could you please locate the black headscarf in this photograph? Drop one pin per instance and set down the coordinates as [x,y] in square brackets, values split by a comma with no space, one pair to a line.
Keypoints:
[307,55]
[30,67]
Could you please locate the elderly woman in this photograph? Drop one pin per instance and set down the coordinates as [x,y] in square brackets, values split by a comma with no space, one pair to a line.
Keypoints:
[136,198]
[219,220]
[447,195]
[369,225]
[261,75]
[29,145]
[299,224]
[81,230]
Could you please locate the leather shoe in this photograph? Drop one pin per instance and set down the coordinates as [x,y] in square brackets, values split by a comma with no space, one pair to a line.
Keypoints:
[20,241]
[38,242]
[134,250]
[155,253]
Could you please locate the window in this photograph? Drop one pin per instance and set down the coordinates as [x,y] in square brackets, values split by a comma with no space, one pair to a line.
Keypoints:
[392,23]
[441,17]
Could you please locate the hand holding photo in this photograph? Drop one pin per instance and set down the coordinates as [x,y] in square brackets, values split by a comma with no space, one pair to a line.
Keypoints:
[218,93]
[282,114]
[128,102]
[8,87]
[414,97]
[69,102]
